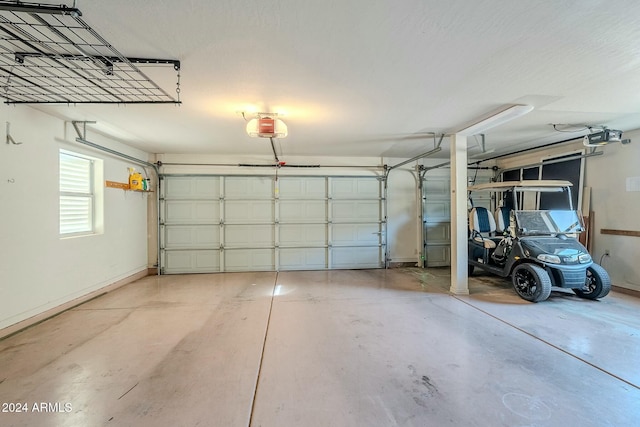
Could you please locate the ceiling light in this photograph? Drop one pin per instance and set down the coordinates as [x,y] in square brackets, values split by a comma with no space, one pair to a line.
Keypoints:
[267,125]
[504,116]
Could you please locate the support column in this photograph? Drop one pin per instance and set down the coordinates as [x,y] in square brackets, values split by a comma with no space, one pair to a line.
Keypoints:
[459,270]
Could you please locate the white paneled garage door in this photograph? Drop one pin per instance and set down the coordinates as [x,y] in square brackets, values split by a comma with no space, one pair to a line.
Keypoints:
[436,219]
[436,215]
[256,223]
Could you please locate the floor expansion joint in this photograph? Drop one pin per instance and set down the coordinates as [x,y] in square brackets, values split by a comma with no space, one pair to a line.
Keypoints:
[264,344]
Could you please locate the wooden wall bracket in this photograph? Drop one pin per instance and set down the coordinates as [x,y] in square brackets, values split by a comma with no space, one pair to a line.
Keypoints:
[115,184]
[620,232]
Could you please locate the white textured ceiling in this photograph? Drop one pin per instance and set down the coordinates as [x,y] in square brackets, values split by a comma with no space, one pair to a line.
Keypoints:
[370,77]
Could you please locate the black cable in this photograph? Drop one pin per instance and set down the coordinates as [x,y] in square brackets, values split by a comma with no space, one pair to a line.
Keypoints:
[274,150]
[602,257]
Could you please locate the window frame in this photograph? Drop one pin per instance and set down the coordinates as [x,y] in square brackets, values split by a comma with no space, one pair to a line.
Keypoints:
[90,195]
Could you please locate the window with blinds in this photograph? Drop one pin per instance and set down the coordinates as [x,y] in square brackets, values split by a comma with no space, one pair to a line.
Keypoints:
[76,194]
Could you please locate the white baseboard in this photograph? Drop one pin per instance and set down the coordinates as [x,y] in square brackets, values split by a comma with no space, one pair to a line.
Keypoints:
[16,327]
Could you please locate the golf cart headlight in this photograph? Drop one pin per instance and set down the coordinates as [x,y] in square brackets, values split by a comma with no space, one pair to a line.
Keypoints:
[584,258]
[552,259]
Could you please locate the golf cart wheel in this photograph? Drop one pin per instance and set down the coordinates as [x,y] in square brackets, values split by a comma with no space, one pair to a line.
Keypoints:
[531,282]
[597,283]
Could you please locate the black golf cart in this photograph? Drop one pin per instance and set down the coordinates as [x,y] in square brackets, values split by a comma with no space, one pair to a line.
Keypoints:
[537,248]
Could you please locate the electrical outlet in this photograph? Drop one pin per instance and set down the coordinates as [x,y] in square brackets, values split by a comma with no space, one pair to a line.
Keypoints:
[606,252]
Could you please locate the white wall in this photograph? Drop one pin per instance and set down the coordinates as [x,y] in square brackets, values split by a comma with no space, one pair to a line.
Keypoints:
[617,208]
[402,210]
[613,206]
[39,270]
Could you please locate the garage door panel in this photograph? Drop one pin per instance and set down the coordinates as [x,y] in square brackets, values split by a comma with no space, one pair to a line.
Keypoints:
[303,259]
[483,203]
[438,210]
[437,188]
[249,259]
[303,211]
[253,211]
[355,257]
[247,236]
[303,188]
[355,234]
[248,188]
[303,235]
[355,188]
[355,211]
[201,236]
[189,212]
[192,188]
[438,232]
[192,261]
[438,255]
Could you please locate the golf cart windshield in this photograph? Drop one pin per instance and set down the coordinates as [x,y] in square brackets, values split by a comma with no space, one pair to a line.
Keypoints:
[548,222]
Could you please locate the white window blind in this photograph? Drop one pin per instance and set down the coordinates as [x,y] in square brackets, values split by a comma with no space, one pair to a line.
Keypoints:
[76,194]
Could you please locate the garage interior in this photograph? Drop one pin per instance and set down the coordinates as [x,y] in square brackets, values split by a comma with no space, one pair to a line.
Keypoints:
[271,227]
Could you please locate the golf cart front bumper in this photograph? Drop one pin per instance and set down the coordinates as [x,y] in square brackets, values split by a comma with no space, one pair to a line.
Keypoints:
[567,276]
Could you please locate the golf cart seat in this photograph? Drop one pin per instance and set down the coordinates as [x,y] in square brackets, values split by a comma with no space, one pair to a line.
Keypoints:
[480,221]
[502,219]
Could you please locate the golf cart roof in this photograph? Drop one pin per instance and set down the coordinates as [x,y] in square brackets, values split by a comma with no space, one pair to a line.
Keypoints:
[525,185]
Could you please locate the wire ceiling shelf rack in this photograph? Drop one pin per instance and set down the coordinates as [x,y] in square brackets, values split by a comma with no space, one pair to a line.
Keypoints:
[50,55]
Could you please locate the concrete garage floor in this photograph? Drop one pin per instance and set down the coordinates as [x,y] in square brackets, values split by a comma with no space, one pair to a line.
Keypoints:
[326,348]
